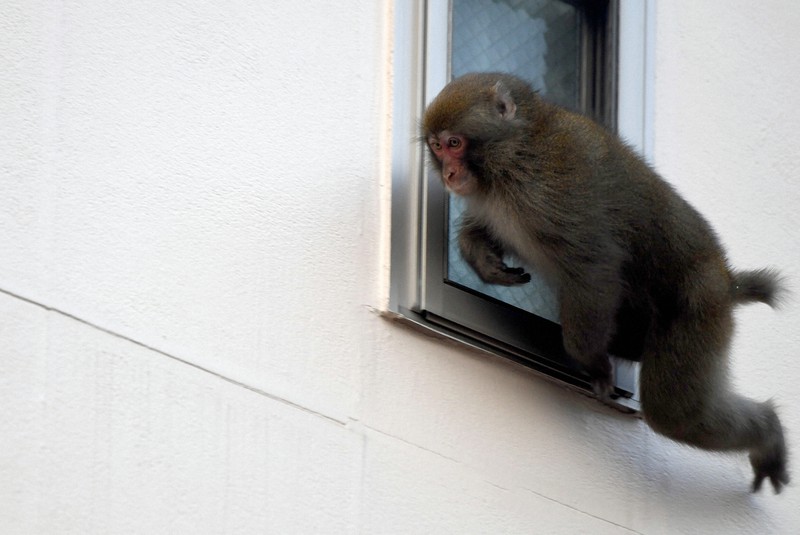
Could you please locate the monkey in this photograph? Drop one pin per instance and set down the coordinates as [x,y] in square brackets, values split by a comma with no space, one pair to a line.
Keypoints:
[634,264]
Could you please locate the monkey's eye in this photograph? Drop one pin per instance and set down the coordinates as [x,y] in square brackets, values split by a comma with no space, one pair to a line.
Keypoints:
[435,145]
[453,142]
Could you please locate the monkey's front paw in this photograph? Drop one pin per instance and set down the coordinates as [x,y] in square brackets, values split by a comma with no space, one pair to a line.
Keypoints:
[770,465]
[506,276]
[517,275]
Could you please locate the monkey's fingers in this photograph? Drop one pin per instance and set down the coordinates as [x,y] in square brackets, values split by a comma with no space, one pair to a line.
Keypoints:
[495,271]
[520,276]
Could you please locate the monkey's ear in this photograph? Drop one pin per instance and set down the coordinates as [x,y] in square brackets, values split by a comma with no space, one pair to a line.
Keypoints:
[503,101]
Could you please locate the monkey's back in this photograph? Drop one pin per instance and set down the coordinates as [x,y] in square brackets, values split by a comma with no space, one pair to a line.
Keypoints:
[675,253]
[607,200]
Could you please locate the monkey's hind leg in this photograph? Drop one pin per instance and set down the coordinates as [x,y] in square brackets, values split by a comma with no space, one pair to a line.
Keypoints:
[686,396]
[587,323]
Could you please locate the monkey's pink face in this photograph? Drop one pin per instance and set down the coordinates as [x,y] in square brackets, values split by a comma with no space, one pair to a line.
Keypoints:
[450,150]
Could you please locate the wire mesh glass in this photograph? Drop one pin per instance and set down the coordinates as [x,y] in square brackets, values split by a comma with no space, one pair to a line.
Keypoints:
[538,40]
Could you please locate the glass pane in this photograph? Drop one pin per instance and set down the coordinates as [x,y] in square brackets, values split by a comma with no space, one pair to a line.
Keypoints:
[538,40]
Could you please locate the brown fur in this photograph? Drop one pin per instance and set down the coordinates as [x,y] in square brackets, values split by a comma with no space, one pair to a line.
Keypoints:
[634,263]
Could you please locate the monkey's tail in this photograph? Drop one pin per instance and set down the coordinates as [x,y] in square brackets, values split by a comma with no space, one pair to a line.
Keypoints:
[759,285]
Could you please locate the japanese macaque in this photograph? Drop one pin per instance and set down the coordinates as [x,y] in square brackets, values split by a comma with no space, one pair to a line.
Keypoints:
[633,263]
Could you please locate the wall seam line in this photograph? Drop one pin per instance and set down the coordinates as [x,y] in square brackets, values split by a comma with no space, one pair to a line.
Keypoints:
[176,358]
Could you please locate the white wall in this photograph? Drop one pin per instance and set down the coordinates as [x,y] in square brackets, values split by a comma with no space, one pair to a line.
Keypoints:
[193,245]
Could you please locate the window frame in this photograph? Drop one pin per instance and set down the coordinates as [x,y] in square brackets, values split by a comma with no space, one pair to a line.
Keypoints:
[421,69]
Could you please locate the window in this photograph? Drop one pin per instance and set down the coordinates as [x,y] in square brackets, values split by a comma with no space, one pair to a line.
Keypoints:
[588,55]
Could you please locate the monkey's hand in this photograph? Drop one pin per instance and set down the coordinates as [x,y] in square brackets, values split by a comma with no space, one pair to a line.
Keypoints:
[495,271]
[485,255]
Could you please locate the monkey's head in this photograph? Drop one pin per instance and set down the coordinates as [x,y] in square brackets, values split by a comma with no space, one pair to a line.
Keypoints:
[469,113]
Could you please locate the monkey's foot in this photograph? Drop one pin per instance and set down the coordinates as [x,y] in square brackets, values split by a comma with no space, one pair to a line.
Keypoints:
[772,465]
[603,388]
[600,372]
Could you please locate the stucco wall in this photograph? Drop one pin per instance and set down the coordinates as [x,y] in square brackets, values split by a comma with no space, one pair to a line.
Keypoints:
[193,246]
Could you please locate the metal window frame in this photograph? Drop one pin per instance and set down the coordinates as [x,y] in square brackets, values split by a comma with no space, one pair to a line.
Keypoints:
[418,291]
